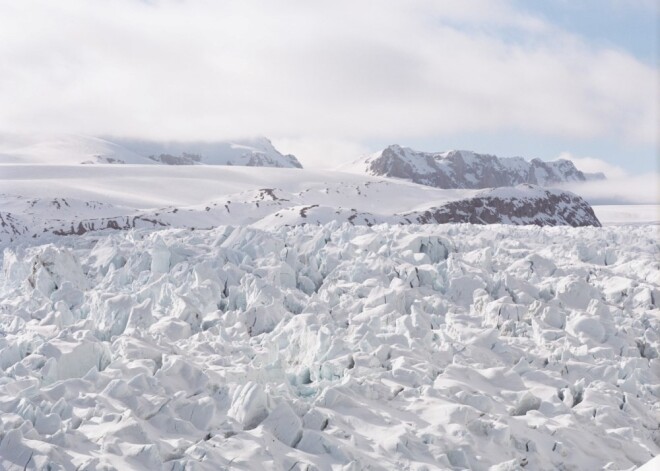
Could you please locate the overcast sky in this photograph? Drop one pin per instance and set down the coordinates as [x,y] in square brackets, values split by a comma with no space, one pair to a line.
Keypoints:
[330,80]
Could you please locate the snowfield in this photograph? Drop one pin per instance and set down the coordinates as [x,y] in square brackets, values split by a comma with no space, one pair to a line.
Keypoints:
[333,347]
[38,201]
[75,149]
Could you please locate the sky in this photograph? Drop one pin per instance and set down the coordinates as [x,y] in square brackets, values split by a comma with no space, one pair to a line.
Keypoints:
[329,81]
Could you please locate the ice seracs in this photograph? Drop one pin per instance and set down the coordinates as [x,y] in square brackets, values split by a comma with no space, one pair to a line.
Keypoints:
[332,347]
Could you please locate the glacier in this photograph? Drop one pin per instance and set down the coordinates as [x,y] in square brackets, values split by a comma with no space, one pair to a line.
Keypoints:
[332,347]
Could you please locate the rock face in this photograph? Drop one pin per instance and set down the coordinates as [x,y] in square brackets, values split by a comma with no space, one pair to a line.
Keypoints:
[521,205]
[465,169]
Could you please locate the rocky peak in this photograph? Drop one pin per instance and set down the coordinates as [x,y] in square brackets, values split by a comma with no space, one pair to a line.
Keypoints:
[466,169]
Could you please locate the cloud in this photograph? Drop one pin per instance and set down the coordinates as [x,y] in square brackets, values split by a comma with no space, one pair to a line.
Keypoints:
[638,189]
[341,71]
[321,153]
[594,165]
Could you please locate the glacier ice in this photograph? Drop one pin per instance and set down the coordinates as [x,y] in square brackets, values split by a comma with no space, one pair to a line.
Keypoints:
[333,347]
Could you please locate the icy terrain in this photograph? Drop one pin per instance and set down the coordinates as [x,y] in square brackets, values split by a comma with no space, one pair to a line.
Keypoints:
[333,347]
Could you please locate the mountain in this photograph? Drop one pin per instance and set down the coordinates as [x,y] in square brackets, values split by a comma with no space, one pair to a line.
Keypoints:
[466,169]
[76,149]
[256,152]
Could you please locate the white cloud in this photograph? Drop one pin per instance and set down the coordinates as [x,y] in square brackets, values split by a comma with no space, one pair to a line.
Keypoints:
[594,165]
[637,189]
[341,71]
[619,187]
[321,153]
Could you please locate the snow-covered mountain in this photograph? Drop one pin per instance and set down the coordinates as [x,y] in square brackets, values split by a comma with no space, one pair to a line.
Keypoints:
[77,149]
[466,169]
[257,152]
[93,198]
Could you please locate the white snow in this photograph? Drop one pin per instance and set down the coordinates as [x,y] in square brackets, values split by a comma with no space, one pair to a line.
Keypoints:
[520,192]
[333,347]
[64,150]
[71,149]
[628,213]
[154,186]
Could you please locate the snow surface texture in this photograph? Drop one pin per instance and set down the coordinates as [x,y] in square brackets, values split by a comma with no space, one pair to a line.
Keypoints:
[466,169]
[31,219]
[77,149]
[114,197]
[333,347]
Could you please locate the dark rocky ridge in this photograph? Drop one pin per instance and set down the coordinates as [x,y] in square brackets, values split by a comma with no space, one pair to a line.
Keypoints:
[539,207]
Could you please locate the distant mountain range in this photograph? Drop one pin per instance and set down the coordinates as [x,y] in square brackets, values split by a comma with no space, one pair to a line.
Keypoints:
[76,149]
[456,169]
[466,169]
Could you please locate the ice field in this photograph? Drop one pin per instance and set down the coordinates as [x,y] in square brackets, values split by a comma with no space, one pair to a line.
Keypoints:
[333,347]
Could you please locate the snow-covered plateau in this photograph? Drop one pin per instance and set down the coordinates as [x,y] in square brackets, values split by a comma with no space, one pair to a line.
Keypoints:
[37,201]
[416,347]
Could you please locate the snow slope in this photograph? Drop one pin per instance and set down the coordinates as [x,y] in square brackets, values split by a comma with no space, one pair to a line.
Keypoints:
[333,347]
[465,169]
[116,197]
[521,205]
[77,149]
[628,214]
[64,150]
